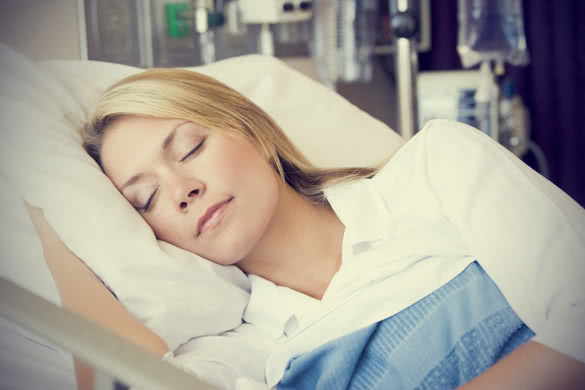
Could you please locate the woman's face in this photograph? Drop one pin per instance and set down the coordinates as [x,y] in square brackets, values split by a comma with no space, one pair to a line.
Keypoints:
[198,189]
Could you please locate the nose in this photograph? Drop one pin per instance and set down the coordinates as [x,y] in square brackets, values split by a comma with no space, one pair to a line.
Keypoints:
[186,192]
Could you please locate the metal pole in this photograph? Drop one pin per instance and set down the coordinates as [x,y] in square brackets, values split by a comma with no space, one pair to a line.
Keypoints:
[82,30]
[143,9]
[403,21]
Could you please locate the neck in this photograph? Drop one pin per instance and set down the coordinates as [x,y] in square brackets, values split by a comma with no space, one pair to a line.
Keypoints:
[301,248]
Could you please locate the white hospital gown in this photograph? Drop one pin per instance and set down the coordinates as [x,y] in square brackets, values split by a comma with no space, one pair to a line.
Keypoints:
[450,196]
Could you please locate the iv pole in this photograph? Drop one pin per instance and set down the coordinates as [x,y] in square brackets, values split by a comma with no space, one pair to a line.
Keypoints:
[403,22]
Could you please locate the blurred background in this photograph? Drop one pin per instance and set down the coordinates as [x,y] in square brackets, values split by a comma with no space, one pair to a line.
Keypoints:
[514,69]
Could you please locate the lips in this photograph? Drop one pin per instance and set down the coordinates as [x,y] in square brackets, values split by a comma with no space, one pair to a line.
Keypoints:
[212,216]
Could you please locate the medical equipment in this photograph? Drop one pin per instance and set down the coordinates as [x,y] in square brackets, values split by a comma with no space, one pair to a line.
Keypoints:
[201,13]
[491,31]
[150,33]
[273,12]
[404,25]
[344,39]
[341,35]
[344,42]
[454,95]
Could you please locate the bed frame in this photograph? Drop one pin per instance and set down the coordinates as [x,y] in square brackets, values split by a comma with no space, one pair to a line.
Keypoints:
[115,360]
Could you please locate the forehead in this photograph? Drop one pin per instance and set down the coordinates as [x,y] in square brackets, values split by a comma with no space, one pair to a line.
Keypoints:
[130,142]
[136,130]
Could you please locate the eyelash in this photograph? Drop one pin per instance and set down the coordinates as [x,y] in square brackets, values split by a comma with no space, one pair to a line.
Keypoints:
[195,149]
[148,202]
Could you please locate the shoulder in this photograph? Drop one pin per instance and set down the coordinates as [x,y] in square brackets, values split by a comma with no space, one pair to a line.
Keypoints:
[439,139]
[403,182]
[443,152]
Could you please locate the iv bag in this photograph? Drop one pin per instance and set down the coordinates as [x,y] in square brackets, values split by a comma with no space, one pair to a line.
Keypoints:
[491,30]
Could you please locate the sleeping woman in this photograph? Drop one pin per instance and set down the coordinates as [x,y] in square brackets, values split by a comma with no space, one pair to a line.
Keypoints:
[429,271]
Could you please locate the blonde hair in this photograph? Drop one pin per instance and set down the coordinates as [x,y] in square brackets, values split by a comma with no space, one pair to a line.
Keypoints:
[187,95]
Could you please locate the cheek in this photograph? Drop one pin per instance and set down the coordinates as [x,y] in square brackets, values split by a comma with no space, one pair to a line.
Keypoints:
[255,208]
[260,206]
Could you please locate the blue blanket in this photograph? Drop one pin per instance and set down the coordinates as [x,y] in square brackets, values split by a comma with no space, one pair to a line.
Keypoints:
[440,342]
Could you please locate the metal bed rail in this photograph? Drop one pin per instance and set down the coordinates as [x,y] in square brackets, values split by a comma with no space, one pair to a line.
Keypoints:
[97,346]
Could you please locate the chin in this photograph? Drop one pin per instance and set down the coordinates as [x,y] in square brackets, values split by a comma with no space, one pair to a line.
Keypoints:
[232,258]
[236,249]
[223,260]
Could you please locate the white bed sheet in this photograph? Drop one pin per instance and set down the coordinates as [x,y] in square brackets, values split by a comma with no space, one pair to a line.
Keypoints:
[233,360]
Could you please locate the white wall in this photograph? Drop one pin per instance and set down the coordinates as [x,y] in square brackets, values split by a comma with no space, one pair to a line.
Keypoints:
[41,29]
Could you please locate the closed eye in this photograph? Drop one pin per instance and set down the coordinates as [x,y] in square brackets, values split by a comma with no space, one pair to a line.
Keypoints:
[146,207]
[193,151]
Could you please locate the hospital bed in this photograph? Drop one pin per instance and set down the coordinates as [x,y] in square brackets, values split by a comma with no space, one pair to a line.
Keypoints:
[43,106]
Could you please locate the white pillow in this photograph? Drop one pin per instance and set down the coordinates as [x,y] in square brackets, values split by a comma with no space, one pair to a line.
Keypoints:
[175,293]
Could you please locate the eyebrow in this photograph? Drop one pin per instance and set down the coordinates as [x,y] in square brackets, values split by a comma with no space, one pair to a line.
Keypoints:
[165,145]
